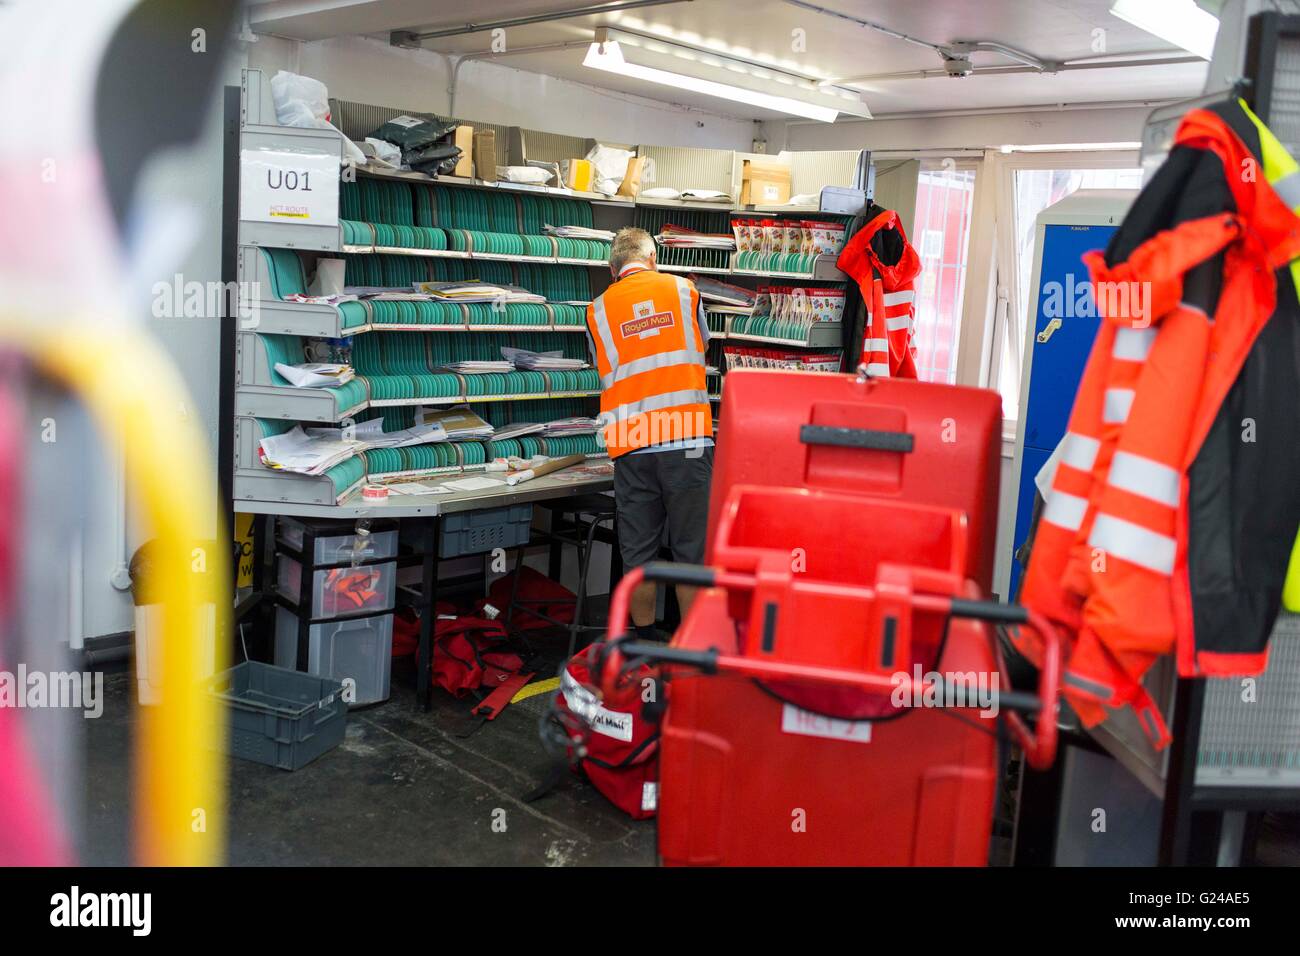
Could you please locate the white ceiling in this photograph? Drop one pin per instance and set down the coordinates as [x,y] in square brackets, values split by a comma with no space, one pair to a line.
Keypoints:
[763,30]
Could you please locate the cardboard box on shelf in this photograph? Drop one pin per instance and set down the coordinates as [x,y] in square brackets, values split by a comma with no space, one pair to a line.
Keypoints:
[763,184]
[578,174]
[463,137]
[632,178]
[485,154]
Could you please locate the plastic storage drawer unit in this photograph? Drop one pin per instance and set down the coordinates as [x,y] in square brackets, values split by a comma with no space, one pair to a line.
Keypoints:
[280,717]
[472,532]
[359,649]
[339,592]
[336,541]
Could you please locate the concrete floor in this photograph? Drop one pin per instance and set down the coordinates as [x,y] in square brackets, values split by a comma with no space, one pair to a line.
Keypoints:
[407,788]
[404,788]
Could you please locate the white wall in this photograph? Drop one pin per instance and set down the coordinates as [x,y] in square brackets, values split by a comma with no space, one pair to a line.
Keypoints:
[365,70]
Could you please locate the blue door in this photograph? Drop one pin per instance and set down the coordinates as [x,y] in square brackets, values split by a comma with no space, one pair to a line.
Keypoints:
[1065,323]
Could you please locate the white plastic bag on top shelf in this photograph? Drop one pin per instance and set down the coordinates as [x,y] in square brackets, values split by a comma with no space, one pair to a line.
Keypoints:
[610,165]
[304,102]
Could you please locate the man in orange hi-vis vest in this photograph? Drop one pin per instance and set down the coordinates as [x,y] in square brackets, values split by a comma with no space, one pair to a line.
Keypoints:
[647,336]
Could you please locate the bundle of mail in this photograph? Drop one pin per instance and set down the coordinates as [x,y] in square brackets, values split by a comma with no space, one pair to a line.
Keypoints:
[479,366]
[540,361]
[299,452]
[316,374]
[460,422]
[473,290]
[723,293]
[370,434]
[569,426]
[333,298]
[517,430]
[578,232]
[679,237]
[517,359]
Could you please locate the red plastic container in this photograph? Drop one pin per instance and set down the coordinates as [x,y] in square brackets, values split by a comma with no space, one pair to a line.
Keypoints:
[956,438]
[848,518]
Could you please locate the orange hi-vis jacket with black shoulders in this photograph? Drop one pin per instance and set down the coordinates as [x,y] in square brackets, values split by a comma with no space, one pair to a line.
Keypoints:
[1172,513]
[885,266]
[646,335]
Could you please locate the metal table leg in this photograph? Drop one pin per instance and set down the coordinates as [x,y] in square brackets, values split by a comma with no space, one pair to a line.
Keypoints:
[430,533]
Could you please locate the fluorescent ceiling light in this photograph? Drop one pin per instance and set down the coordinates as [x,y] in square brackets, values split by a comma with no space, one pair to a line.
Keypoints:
[1180,22]
[612,56]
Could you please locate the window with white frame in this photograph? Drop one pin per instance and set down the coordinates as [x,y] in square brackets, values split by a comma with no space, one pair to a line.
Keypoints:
[940,234]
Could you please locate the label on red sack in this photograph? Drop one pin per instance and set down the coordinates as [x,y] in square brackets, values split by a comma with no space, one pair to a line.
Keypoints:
[583,702]
[649,796]
[797,721]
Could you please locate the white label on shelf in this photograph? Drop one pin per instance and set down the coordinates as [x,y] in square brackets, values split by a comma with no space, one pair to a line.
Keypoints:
[281,186]
[795,720]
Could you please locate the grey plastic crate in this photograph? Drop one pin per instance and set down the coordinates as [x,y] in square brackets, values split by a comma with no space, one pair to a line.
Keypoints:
[473,532]
[280,717]
[359,649]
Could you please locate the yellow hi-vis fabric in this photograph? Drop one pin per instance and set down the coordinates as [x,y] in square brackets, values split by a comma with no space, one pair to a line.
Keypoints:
[650,356]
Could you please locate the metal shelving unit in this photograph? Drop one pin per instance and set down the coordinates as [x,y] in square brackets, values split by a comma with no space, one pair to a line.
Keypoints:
[259,393]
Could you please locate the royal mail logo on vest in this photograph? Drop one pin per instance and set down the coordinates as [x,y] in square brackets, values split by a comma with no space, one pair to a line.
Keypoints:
[645,321]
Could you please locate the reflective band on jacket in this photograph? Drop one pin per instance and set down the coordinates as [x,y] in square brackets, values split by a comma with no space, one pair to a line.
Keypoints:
[606,335]
[1144,477]
[1288,187]
[1118,402]
[1091,687]
[894,298]
[878,369]
[1134,544]
[655,402]
[898,322]
[650,363]
[1132,345]
[1065,511]
[688,316]
[877,345]
[1080,451]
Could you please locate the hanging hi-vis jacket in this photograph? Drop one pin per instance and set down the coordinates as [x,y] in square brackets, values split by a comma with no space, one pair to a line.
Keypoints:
[1176,501]
[647,335]
[884,265]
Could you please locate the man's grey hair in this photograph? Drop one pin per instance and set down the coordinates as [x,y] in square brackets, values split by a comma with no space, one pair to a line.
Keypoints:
[630,245]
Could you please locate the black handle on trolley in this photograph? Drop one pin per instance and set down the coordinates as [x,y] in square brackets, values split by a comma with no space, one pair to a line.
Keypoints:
[670,572]
[706,661]
[870,438]
[989,611]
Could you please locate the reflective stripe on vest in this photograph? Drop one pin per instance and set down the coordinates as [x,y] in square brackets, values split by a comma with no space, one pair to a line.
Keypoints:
[649,364]
[1118,403]
[657,402]
[1065,511]
[601,321]
[1080,451]
[1134,543]
[1146,478]
[1133,345]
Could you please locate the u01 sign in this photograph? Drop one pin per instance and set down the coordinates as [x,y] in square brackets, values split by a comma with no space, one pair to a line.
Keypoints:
[279,186]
